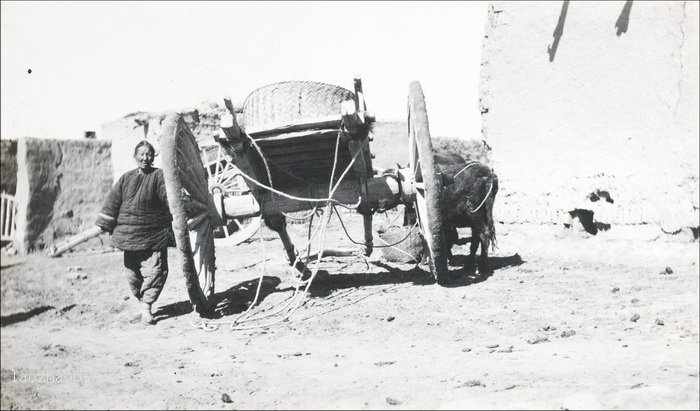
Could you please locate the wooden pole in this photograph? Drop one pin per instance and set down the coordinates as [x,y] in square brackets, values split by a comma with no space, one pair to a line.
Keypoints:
[74,241]
[232,131]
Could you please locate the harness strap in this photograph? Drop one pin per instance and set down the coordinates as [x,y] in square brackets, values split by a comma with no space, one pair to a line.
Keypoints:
[484,200]
[469,164]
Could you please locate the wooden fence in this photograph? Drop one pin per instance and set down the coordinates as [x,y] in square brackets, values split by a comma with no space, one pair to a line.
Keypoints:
[8,214]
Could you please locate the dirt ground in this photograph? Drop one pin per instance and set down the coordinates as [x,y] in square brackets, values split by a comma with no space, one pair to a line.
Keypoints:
[566,321]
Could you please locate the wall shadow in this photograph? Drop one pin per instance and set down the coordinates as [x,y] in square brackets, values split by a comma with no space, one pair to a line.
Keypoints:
[623,21]
[11,264]
[558,31]
[19,317]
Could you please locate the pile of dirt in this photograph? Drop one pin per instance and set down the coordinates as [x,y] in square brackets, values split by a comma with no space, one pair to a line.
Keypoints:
[470,150]
[390,146]
[401,244]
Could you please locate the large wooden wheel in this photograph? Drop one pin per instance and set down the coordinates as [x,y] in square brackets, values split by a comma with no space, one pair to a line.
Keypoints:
[428,183]
[192,208]
[224,178]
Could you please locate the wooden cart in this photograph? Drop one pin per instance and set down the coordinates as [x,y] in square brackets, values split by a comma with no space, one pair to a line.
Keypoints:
[298,145]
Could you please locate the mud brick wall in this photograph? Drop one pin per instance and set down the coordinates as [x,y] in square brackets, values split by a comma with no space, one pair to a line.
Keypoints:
[61,185]
[8,166]
[593,106]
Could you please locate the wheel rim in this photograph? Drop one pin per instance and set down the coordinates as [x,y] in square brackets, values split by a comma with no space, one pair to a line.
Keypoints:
[427,183]
[192,208]
[202,241]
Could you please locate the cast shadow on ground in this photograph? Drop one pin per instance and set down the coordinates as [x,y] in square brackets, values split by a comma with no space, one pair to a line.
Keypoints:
[11,264]
[465,274]
[24,316]
[325,283]
[236,299]
[462,275]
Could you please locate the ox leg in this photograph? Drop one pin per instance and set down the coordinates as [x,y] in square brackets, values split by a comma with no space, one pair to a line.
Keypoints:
[369,246]
[474,244]
[278,223]
[367,221]
[485,239]
[451,238]
[409,215]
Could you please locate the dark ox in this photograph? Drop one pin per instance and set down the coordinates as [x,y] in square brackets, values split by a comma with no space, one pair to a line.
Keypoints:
[468,195]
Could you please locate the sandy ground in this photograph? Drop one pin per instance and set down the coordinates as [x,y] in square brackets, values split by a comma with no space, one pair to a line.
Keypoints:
[567,320]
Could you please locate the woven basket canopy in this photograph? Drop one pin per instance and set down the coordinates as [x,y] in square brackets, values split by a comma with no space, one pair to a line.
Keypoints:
[290,102]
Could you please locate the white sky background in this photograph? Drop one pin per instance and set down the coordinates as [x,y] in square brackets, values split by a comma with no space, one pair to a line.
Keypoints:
[96,62]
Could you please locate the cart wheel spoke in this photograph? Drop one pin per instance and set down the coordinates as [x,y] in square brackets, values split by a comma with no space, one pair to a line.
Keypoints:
[227,179]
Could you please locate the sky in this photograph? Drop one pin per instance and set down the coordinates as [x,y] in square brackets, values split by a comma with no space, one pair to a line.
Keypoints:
[69,67]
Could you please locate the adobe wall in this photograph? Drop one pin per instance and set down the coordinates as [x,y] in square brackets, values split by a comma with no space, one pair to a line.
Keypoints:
[8,166]
[61,185]
[593,97]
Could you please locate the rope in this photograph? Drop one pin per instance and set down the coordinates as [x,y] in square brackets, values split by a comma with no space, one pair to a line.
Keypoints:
[267,168]
[294,294]
[310,200]
[375,246]
[305,292]
[329,207]
[393,220]
[260,280]
[335,161]
[305,217]
[322,228]
[207,326]
[330,186]
[396,248]
[308,237]
[284,170]
[242,318]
